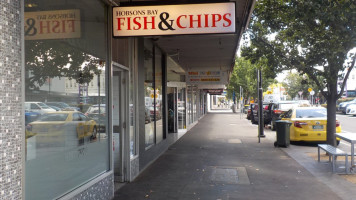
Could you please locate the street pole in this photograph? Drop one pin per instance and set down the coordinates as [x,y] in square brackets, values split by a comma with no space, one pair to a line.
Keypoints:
[260,106]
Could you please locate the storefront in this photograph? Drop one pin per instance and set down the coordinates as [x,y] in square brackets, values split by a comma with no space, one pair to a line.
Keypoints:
[98,107]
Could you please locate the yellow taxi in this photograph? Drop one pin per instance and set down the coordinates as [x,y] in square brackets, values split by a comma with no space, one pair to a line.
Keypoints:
[62,128]
[308,124]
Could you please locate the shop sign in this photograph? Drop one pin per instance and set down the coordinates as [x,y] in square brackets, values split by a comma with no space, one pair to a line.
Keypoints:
[214,91]
[206,77]
[55,24]
[205,18]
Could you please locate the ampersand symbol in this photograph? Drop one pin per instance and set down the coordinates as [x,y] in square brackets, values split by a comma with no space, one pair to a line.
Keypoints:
[164,16]
[31,30]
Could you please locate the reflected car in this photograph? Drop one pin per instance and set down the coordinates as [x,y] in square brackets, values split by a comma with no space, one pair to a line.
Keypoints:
[308,124]
[31,116]
[152,112]
[98,113]
[38,107]
[351,109]
[62,128]
[62,106]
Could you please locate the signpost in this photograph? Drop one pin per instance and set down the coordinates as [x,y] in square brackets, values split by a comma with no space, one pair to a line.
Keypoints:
[312,94]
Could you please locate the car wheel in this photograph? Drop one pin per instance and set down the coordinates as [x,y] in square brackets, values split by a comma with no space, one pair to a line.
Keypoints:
[94,133]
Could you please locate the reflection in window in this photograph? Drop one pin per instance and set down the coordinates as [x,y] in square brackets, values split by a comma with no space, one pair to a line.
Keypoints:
[64,148]
[149,95]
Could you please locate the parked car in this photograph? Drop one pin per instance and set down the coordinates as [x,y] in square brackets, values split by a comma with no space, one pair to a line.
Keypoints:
[351,109]
[249,111]
[62,106]
[343,105]
[254,113]
[38,107]
[274,110]
[62,128]
[308,124]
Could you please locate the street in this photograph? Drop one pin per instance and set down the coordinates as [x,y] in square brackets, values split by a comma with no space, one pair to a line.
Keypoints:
[348,122]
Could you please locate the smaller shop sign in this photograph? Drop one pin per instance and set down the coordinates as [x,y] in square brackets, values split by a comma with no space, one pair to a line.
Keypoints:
[206,77]
[214,91]
[206,18]
[54,24]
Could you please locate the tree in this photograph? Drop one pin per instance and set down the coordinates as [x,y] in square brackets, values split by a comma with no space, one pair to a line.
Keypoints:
[244,74]
[294,83]
[313,37]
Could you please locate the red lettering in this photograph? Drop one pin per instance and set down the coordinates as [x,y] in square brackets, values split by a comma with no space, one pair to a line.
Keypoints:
[129,23]
[145,22]
[198,20]
[206,20]
[55,27]
[46,26]
[71,25]
[137,23]
[216,19]
[226,19]
[178,21]
[119,23]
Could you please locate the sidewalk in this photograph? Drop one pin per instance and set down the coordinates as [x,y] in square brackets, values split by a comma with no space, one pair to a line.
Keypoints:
[220,159]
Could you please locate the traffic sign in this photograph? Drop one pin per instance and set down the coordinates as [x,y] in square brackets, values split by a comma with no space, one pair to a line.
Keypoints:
[310,89]
[312,92]
[300,92]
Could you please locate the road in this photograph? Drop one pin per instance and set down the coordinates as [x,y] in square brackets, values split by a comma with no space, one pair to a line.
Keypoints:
[348,123]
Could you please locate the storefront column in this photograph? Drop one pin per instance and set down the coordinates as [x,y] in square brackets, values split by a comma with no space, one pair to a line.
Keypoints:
[12,140]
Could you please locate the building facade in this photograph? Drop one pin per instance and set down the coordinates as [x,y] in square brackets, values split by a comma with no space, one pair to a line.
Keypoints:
[83,109]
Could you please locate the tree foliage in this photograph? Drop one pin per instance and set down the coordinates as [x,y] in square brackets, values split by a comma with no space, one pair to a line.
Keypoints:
[245,75]
[295,83]
[313,37]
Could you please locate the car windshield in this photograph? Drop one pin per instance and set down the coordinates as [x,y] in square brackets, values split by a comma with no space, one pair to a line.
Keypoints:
[50,117]
[96,109]
[310,113]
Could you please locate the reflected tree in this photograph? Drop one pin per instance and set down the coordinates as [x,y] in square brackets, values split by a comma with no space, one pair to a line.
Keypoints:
[50,59]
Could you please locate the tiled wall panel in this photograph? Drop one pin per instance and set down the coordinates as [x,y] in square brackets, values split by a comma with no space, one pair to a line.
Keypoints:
[11,132]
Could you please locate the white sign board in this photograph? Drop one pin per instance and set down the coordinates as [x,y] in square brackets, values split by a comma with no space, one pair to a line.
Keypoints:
[180,19]
[206,77]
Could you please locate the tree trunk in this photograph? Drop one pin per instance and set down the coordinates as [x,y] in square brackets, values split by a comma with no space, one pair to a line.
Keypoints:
[331,115]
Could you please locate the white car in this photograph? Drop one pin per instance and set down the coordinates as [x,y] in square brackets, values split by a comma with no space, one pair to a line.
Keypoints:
[38,107]
[351,109]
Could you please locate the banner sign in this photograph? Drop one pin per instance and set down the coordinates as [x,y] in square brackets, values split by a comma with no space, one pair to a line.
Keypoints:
[55,24]
[205,18]
[206,77]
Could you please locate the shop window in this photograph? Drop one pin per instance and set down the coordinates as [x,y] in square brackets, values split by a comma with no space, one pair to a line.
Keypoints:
[153,94]
[65,149]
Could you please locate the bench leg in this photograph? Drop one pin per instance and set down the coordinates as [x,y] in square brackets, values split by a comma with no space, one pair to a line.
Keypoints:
[346,163]
[333,163]
[318,154]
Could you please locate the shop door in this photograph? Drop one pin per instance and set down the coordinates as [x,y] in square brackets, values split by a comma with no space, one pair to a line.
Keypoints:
[172,110]
[120,118]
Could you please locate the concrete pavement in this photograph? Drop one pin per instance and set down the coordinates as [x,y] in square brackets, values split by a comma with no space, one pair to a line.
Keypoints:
[220,158]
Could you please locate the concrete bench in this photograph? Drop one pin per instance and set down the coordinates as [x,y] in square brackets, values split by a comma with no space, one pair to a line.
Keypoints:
[333,152]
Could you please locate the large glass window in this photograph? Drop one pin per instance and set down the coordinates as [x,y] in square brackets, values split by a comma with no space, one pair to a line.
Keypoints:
[65,67]
[158,95]
[153,94]
[149,94]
